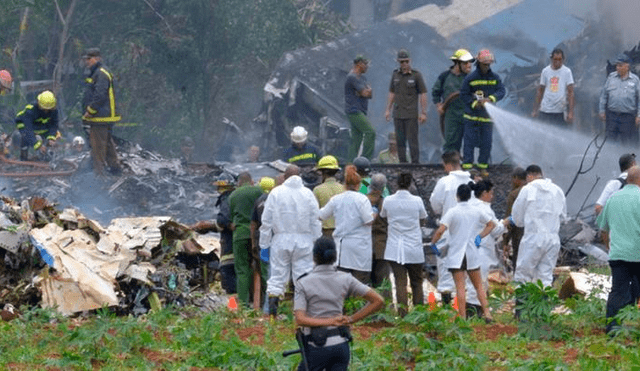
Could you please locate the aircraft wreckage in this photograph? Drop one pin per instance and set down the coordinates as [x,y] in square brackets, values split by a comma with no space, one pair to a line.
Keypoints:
[66,259]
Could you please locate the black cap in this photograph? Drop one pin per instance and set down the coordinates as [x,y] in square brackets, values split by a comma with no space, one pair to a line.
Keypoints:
[403,54]
[91,52]
[360,58]
[626,161]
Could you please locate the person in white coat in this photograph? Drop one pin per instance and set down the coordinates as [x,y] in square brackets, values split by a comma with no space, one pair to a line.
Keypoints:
[539,208]
[483,192]
[354,217]
[467,226]
[290,224]
[404,241]
[442,199]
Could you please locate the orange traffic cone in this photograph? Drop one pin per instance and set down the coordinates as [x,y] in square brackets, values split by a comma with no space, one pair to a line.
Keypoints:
[432,301]
[455,303]
[233,304]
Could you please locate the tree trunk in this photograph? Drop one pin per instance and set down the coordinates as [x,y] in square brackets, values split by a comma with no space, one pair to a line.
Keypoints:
[57,71]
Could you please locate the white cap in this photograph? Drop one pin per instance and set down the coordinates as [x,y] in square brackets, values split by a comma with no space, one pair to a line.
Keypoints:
[78,140]
[299,135]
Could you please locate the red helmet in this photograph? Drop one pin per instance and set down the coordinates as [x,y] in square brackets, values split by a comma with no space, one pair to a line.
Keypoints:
[485,56]
[5,79]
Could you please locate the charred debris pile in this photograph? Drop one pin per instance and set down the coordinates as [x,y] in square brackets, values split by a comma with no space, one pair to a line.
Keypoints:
[136,260]
[65,261]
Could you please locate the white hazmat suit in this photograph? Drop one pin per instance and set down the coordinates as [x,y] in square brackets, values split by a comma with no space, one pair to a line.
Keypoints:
[290,225]
[539,208]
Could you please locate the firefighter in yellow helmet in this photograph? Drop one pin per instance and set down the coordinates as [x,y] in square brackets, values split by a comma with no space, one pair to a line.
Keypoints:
[328,167]
[100,115]
[445,94]
[38,124]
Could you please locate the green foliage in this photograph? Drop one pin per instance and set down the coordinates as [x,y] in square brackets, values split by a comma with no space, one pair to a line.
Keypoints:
[440,322]
[535,302]
[180,66]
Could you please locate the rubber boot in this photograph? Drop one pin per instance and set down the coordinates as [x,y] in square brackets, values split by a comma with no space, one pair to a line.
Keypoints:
[24,154]
[446,298]
[274,301]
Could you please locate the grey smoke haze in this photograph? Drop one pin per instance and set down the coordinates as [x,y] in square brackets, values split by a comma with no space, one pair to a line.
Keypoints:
[625,15]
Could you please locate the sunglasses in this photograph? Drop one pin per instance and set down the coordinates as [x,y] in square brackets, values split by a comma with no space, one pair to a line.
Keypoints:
[403,61]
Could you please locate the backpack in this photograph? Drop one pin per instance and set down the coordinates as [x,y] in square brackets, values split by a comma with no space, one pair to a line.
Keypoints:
[623,182]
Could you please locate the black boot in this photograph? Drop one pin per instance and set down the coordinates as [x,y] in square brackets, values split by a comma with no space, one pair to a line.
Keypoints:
[24,154]
[446,298]
[274,301]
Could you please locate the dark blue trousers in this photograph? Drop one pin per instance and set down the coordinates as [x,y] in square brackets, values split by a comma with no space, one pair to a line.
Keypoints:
[621,127]
[624,279]
[333,358]
[477,134]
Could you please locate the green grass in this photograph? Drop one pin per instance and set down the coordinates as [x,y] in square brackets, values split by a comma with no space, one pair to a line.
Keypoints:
[187,339]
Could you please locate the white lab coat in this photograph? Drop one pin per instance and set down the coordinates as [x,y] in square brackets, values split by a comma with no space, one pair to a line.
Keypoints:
[290,224]
[404,237]
[354,215]
[442,199]
[539,208]
[487,250]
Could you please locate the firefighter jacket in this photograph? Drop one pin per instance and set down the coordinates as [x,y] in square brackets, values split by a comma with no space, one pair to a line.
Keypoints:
[488,85]
[32,121]
[99,96]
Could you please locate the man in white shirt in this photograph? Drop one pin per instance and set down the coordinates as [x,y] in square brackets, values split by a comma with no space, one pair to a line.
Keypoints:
[625,162]
[442,199]
[290,224]
[555,91]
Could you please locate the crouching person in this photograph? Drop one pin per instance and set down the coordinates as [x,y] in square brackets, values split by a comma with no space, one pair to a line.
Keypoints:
[318,308]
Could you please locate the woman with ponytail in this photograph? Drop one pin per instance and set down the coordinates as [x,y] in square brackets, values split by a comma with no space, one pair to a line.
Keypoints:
[318,307]
[354,216]
[467,226]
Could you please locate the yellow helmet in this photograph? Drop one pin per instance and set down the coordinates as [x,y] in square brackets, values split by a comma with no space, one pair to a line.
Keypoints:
[328,162]
[462,55]
[267,184]
[46,100]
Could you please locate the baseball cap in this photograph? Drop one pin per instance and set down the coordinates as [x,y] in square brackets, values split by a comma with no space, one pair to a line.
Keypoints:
[403,54]
[623,58]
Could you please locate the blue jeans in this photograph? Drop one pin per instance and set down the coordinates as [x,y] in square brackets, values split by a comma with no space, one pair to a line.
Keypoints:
[477,134]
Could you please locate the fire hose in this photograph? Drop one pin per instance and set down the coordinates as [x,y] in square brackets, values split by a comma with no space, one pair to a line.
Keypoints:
[445,105]
[41,173]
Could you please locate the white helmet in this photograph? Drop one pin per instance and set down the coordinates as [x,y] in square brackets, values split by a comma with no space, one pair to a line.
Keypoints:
[299,135]
[78,141]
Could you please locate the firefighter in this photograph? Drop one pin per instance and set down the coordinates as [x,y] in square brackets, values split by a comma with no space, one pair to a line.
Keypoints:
[301,153]
[479,87]
[38,124]
[5,81]
[100,113]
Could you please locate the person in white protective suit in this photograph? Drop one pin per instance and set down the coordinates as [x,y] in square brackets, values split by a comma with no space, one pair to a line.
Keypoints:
[442,199]
[354,217]
[290,224]
[483,190]
[539,208]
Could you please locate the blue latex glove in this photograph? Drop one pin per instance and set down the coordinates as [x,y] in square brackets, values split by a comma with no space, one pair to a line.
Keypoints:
[435,249]
[511,222]
[264,255]
[478,241]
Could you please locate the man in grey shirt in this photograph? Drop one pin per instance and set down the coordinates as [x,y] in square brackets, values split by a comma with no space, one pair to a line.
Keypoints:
[620,103]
